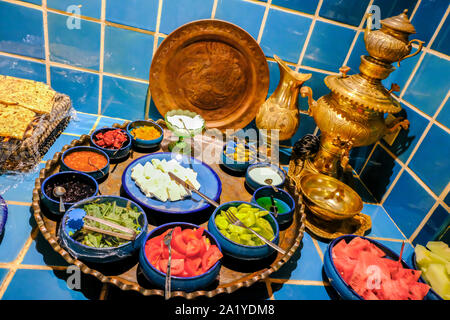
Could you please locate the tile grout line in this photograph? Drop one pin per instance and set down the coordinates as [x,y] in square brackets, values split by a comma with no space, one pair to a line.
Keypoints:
[413,13]
[102,56]
[214,9]
[308,36]
[368,158]
[430,212]
[355,38]
[395,224]
[269,289]
[46,42]
[413,152]
[422,56]
[319,251]
[94,126]
[263,22]
[7,280]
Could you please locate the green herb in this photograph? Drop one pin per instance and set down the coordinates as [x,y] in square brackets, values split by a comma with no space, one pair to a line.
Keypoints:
[127,217]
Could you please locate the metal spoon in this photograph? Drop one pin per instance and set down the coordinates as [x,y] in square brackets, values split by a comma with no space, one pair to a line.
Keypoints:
[167,287]
[59,192]
[273,208]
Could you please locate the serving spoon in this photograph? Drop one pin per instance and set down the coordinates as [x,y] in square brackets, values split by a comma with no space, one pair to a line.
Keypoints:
[273,207]
[167,287]
[59,192]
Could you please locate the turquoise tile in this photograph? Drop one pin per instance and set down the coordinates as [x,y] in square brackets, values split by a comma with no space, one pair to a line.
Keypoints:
[431,162]
[382,224]
[355,58]
[302,292]
[328,46]
[81,123]
[128,53]
[38,2]
[427,18]
[380,172]
[174,13]
[407,139]
[22,69]
[317,84]
[232,11]
[284,34]
[17,231]
[30,284]
[21,30]
[430,84]
[390,8]
[19,187]
[3,273]
[108,122]
[363,192]
[81,87]
[305,264]
[358,157]
[41,253]
[123,98]
[400,75]
[442,41]
[306,6]
[135,13]
[434,226]
[444,115]
[408,203]
[348,11]
[88,8]
[58,145]
[306,126]
[76,47]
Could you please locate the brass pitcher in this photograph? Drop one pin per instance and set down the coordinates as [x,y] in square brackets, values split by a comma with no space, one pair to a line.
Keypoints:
[391,43]
[280,110]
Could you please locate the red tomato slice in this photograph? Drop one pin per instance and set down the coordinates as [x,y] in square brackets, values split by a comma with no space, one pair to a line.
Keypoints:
[199,232]
[154,256]
[211,257]
[207,242]
[178,243]
[175,253]
[176,269]
[192,266]
[188,235]
[195,248]
[177,230]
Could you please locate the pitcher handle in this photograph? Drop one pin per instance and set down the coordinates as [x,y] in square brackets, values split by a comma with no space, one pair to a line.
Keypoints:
[414,53]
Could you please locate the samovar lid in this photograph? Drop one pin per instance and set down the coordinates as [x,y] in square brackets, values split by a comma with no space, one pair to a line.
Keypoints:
[400,23]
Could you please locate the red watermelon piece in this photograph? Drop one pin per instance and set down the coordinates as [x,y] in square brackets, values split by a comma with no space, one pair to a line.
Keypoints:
[344,266]
[339,249]
[418,290]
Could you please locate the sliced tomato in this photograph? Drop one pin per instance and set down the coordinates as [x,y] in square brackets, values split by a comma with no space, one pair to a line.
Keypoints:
[176,269]
[207,242]
[195,248]
[175,253]
[177,230]
[199,232]
[178,243]
[188,235]
[154,256]
[193,266]
[211,257]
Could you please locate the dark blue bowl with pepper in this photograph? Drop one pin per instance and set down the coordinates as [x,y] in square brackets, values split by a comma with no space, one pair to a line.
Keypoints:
[78,186]
[114,153]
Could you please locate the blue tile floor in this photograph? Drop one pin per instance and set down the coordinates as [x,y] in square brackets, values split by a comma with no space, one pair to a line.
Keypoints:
[30,269]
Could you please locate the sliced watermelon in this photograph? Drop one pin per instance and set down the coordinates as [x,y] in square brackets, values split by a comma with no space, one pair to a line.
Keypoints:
[339,249]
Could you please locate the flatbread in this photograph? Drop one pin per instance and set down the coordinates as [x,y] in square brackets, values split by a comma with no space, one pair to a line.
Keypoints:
[14,120]
[33,95]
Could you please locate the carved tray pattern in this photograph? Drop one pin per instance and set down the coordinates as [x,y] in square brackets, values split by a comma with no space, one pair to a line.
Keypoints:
[229,281]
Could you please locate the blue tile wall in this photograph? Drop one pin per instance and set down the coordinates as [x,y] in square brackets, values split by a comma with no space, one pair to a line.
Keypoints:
[76,65]
[18,37]
[434,225]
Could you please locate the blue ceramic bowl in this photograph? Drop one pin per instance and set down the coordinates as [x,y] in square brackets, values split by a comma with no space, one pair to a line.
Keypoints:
[141,143]
[102,255]
[187,284]
[97,174]
[232,164]
[237,250]
[343,289]
[3,214]
[113,154]
[53,205]
[282,195]
[253,184]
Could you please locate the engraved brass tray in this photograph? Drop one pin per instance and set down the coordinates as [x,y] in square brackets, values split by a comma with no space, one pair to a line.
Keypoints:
[127,276]
[213,68]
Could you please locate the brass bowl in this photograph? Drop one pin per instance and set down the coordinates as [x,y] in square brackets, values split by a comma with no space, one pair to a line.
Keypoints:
[329,198]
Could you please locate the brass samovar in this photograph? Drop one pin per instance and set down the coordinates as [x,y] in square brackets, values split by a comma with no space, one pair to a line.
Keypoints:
[352,114]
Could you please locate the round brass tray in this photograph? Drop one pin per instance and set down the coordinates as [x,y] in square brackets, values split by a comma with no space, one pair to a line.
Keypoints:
[213,68]
[128,276]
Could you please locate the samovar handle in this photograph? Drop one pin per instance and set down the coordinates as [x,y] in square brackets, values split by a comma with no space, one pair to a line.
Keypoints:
[306,91]
[414,53]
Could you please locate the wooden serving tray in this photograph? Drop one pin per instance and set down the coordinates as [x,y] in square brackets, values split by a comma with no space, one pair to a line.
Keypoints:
[128,276]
